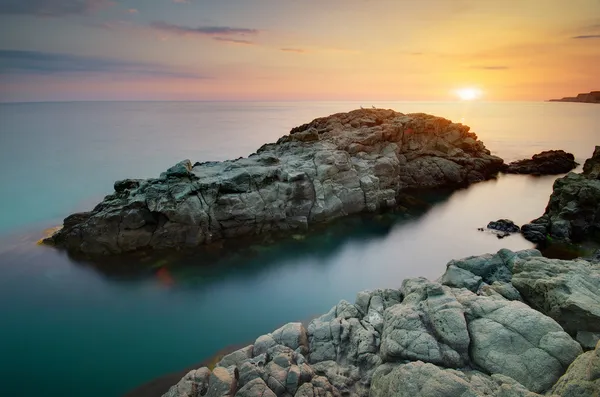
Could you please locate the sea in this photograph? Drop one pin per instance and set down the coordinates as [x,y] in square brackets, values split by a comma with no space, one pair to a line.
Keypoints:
[73,328]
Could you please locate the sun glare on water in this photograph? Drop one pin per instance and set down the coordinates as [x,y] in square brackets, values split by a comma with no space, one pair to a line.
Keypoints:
[468,94]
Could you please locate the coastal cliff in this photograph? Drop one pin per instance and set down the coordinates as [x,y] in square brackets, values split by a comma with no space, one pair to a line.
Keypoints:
[507,324]
[590,97]
[343,164]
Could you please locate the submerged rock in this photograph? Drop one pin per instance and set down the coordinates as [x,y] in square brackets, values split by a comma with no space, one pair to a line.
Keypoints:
[573,212]
[550,162]
[346,163]
[469,334]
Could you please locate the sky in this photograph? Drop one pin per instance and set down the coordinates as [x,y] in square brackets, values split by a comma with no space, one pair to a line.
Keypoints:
[418,50]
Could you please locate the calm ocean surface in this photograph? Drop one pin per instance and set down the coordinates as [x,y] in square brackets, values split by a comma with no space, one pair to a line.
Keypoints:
[73,329]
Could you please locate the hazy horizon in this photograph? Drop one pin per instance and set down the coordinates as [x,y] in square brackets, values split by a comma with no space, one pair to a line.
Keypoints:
[274,50]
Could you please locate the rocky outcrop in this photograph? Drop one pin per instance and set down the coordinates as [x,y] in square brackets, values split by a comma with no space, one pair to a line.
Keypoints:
[567,291]
[582,379]
[551,162]
[590,97]
[346,163]
[573,212]
[470,334]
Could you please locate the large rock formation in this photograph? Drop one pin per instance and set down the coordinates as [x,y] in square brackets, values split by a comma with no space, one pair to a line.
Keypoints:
[470,334]
[338,165]
[573,212]
[551,162]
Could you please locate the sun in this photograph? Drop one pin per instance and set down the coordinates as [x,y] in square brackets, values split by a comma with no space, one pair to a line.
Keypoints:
[468,94]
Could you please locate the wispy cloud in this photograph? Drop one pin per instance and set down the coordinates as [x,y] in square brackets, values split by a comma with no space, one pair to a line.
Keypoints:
[233,40]
[491,67]
[51,8]
[587,36]
[202,30]
[45,63]
[297,50]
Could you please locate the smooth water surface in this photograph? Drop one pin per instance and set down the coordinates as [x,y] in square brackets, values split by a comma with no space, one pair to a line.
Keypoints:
[76,329]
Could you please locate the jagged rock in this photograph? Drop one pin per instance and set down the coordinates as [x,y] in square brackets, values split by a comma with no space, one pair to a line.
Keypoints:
[550,162]
[292,335]
[346,163]
[504,225]
[419,379]
[195,383]
[573,212]
[567,291]
[223,382]
[455,328]
[428,325]
[582,378]
[474,320]
[236,357]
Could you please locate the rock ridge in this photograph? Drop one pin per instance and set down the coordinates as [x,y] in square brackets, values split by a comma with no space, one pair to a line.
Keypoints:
[347,163]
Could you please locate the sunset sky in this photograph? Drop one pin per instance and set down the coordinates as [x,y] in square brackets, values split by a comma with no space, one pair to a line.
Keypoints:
[297,49]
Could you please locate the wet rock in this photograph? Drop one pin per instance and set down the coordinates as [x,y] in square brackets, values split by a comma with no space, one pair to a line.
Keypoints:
[550,162]
[347,163]
[504,225]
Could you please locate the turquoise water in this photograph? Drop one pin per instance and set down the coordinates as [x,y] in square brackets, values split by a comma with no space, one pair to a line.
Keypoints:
[80,329]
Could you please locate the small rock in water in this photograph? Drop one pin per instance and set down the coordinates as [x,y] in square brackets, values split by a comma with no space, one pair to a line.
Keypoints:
[551,162]
[504,225]
[501,228]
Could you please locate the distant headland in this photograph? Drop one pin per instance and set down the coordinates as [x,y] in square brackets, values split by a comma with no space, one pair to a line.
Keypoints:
[590,97]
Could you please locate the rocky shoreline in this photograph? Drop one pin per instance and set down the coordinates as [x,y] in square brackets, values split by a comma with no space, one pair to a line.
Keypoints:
[508,324]
[347,163]
[573,212]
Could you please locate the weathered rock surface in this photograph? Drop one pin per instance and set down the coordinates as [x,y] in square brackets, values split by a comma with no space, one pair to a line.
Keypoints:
[567,291]
[342,164]
[470,334]
[573,212]
[582,379]
[419,379]
[550,162]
